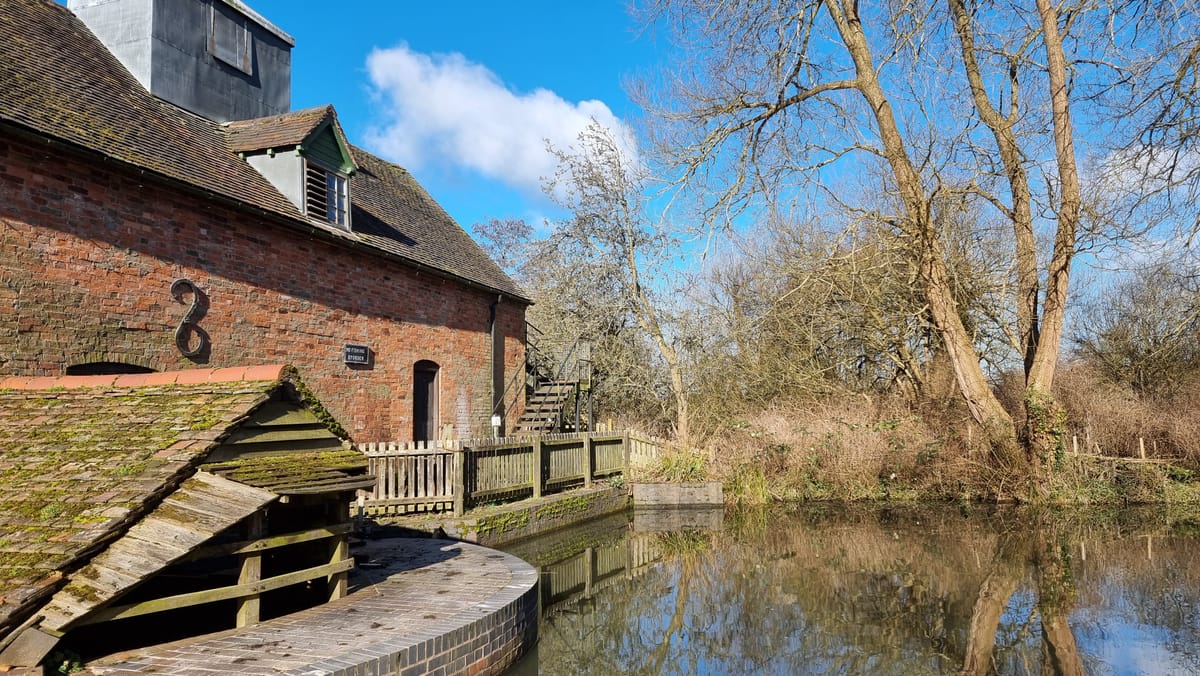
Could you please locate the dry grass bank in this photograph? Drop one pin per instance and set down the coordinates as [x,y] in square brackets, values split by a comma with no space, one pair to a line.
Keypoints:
[848,447]
[854,446]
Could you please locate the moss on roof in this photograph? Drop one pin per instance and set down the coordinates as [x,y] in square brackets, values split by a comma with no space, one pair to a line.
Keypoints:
[297,472]
[76,464]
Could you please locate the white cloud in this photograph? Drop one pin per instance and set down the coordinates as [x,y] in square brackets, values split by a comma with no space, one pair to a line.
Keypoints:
[444,109]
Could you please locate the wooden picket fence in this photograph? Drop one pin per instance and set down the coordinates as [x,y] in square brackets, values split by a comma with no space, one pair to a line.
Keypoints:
[454,475]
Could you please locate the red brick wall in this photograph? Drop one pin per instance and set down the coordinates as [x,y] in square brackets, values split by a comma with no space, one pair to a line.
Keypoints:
[88,252]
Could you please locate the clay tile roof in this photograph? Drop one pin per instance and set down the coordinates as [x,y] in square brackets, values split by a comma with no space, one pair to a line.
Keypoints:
[276,131]
[60,82]
[392,212]
[270,373]
[80,460]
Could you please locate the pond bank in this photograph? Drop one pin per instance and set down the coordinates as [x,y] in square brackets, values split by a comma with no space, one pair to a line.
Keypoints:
[1078,479]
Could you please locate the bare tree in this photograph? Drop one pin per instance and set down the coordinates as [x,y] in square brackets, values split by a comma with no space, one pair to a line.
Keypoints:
[611,234]
[968,101]
[1145,330]
[580,299]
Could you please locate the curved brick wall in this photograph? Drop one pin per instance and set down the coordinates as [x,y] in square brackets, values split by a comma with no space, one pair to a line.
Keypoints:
[427,606]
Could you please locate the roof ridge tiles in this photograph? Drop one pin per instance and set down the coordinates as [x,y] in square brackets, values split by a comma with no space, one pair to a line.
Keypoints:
[234,374]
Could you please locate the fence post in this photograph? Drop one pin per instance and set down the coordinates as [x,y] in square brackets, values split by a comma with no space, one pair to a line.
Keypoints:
[589,461]
[537,466]
[626,443]
[460,481]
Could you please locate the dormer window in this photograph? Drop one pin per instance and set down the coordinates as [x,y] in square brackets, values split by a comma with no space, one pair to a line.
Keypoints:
[305,156]
[326,195]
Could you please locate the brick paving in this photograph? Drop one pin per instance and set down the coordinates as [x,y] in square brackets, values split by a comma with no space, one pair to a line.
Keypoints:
[423,606]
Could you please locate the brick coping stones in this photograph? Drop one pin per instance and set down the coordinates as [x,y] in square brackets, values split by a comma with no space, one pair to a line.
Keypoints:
[423,606]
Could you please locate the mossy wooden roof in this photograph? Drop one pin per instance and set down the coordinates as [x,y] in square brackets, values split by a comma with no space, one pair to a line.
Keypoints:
[299,473]
[83,458]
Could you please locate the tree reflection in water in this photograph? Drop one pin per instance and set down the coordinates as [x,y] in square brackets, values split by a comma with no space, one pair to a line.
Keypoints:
[883,591]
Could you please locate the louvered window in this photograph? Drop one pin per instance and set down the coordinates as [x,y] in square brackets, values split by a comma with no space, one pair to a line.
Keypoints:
[326,195]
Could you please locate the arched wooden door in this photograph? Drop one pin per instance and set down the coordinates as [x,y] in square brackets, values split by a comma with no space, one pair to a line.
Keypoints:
[425,400]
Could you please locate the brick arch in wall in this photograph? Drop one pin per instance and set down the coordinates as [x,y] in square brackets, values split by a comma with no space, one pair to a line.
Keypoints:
[105,368]
[105,362]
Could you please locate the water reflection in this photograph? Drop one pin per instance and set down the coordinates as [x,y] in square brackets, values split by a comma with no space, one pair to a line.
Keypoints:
[875,591]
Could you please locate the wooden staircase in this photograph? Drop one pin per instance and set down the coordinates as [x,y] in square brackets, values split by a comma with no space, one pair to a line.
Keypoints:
[543,408]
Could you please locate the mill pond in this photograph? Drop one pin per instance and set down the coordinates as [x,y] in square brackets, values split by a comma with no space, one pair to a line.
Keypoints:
[845,590]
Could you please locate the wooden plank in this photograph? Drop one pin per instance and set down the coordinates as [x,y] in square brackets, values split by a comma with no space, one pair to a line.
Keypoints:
[207,519]
[588,464]
[259,435]
[400,502]
[272,542]
[277,413]
[157,541]
[339,551]
[402,452]
[256,449]
[459,488]
[343,485]
[248,607]
[219,594]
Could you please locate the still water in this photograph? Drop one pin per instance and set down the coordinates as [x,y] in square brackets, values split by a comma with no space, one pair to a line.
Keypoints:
[871,591]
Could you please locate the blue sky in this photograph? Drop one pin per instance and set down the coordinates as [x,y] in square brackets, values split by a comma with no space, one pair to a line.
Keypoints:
[463,94]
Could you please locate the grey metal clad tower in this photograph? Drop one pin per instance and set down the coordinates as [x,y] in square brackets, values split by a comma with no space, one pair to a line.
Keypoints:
[216,58]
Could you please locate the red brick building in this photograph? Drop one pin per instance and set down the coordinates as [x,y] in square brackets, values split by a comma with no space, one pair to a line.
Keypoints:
[161,208]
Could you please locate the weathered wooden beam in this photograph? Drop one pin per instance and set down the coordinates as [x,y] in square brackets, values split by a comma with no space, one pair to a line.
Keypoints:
[339,551]
[273,542]
[258,435]
[588,460]
[400,502]
[218,594]
[459,486]
[248,607]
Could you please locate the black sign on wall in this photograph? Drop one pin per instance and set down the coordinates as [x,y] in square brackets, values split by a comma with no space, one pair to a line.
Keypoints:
[356,355]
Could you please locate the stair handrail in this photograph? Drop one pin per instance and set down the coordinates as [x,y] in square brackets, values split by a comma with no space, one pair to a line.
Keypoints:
[544,365]
[547,366]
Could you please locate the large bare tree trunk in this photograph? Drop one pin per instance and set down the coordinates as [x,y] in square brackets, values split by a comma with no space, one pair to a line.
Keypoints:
[1039,341]
[1041,374]
[919,227]
[1020,213]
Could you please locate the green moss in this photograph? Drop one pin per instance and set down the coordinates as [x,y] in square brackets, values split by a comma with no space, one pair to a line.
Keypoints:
[51,511]
[19,565]
[83,592]
[314,404]
[254,469]
[132,469]
[560,508]
[1046,425]
[502,523]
